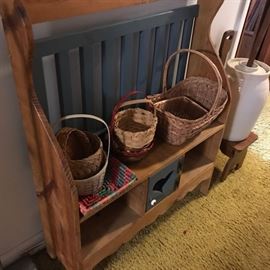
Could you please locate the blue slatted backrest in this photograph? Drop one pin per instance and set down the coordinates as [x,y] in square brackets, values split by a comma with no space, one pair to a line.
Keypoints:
[91,70]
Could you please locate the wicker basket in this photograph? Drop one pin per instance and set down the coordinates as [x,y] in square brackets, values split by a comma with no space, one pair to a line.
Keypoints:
[90,184]
[130,155]
[189,107]
[134,127]
[83,150]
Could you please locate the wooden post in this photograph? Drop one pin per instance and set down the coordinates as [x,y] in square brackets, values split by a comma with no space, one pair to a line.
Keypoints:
[57,195]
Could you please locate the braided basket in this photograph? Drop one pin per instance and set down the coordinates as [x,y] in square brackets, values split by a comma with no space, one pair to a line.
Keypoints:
[190,106]
[133,129]
[94,165]
[83,150]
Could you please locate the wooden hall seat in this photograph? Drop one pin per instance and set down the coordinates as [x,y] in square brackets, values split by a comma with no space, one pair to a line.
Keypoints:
[81,244]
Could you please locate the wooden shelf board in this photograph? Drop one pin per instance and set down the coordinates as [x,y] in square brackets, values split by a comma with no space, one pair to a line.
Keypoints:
[103,205]
[105,226]
[117,218]
[103,234]
[160,156]
[163,154]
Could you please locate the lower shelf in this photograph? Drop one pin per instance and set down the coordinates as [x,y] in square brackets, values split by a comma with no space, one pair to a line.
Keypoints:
[104,232]
[105,226]
[195,165]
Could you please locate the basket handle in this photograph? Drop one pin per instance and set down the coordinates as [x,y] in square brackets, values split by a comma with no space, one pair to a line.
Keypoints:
[138,101]
[213,66]
[90,116]
[124,102]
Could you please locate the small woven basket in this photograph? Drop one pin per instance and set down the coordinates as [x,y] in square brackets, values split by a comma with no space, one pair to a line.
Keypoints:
[190,106]
[83,150]
[134,127]
[130,155]
[93,182]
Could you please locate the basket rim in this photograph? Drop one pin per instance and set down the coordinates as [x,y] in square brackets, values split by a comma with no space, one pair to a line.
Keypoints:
[118,115]
[130,154]
[86,158]
[206,116]
[101,171]
[210,63]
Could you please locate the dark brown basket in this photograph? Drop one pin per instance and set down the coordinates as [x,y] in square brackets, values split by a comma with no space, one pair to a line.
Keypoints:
[190,106]
[88,172]
[83,150]
[182,107]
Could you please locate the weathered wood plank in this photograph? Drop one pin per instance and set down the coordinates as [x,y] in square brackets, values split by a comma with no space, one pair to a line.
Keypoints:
[188,25]
[146,52]
[39,80]
[57,196]
[64,83]
[129,62]
[175,39]
[110,76]
[47,10]
[91,80]
[55,44]
[160,54]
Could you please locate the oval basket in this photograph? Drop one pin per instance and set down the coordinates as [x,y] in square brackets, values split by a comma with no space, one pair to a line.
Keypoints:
[92,184]
[84,151]
[190,106]
[134,127]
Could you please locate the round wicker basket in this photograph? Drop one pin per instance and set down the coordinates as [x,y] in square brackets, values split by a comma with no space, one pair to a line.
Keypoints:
[130,155]
[92,183]
[84,151]
[134,127]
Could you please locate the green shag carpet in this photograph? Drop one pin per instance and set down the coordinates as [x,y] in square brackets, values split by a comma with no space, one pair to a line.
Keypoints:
[228,229]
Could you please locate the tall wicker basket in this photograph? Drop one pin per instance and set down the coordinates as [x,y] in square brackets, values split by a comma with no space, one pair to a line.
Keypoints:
[93,183]
[190,106]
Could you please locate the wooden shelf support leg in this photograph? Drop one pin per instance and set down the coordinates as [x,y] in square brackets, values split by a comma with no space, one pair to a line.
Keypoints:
[205,185]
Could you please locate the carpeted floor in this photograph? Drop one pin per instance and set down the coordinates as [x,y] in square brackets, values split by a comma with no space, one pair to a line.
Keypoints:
[228,229]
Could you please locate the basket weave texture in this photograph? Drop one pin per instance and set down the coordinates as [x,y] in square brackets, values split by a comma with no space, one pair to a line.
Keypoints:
[117,179]
[133,129]
[84,151]
[190,106]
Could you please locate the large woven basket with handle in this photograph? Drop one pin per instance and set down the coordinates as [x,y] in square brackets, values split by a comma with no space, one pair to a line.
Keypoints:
[95,164]
[190,106]
[84,151]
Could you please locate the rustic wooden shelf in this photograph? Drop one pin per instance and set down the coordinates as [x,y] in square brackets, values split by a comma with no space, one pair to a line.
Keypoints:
[80,244]
[108,202]
[161,155]
[195,165]
[105,226]
[104,232]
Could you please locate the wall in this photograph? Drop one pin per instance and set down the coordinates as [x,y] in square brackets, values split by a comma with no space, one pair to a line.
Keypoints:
[18,207]
[231,16]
